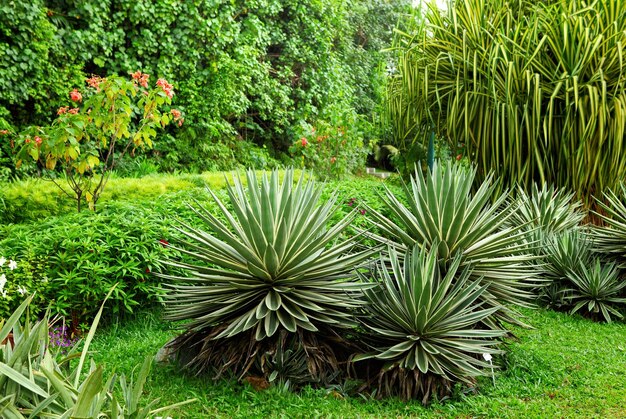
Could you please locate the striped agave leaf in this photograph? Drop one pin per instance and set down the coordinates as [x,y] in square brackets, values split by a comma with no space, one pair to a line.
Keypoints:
[424,319]
[610,239]
[534,90]
[444,215]
[273,264]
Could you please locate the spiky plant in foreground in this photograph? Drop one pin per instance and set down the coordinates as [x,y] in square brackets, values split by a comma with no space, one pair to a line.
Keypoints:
[422,322]
[273,265]
[444,215]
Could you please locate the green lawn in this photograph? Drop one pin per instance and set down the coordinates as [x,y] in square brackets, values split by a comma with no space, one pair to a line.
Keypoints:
[565,367]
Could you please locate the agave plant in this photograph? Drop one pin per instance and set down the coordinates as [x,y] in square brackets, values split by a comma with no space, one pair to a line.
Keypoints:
[611,238]
[546,211]
[422,322]
[274,264]
[444,215]
[597,289]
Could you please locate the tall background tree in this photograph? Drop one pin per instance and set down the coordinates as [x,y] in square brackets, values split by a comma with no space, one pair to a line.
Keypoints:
[532,90]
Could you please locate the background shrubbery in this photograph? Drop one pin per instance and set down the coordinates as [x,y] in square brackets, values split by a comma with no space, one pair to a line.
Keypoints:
[244,72]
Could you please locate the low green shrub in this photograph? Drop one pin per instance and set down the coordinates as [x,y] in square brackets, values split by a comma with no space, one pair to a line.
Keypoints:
[73,260]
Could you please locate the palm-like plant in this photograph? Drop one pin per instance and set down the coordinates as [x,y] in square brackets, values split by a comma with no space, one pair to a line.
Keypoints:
[273,264]
[423,323]
[527,87]
[444,215]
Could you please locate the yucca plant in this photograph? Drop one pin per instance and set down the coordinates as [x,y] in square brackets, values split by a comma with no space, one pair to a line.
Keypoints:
[444,215]
[610,239]
[596,291]
[531,90]
[423,322]
[274,264]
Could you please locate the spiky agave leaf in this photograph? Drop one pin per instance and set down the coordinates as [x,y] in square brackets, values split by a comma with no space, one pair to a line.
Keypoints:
[545,211]
[597,289]
[275,263]
[611,238]
[444,215]
[420,319]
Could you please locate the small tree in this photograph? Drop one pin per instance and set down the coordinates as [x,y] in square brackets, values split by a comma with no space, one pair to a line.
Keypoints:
[85,143]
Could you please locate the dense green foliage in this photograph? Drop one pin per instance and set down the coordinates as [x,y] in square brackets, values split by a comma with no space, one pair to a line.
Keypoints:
[531,90]
[243,71]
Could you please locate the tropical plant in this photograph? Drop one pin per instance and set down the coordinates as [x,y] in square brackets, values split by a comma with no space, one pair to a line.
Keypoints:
[40,383]
[526,87]
[422,321]
[117,116]
[545,211]
[443,214]
[563,253]
[610,239]
[273,264]
[597,290]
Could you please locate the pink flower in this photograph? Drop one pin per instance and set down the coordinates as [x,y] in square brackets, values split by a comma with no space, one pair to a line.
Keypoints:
[94,81]
[141,78]
[167,88]
[38,140]
[304,142]
[363,212]
[175,113]
[76,96]
[180,122]
[62,110]
[73,111]
[333,160]
[459,157]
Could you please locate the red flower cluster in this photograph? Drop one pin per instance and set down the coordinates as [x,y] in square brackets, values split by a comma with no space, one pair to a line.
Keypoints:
[94,81]
[38,140]
[167,88]
[304,142]
[62,110]
[76,96]
[141,78]
[177,116]
[73,111]
[333,160]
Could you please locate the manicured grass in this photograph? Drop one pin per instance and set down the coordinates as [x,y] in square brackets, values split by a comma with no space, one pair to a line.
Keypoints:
[565,367]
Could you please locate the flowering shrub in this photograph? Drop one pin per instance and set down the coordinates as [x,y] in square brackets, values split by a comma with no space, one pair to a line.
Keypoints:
[332,150]
[109,118]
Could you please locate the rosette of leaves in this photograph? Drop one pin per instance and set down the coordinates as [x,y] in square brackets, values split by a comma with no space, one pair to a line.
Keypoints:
[545,211]
[597,290]
[423,323]
[442,214]
[270,263]
[610,239]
